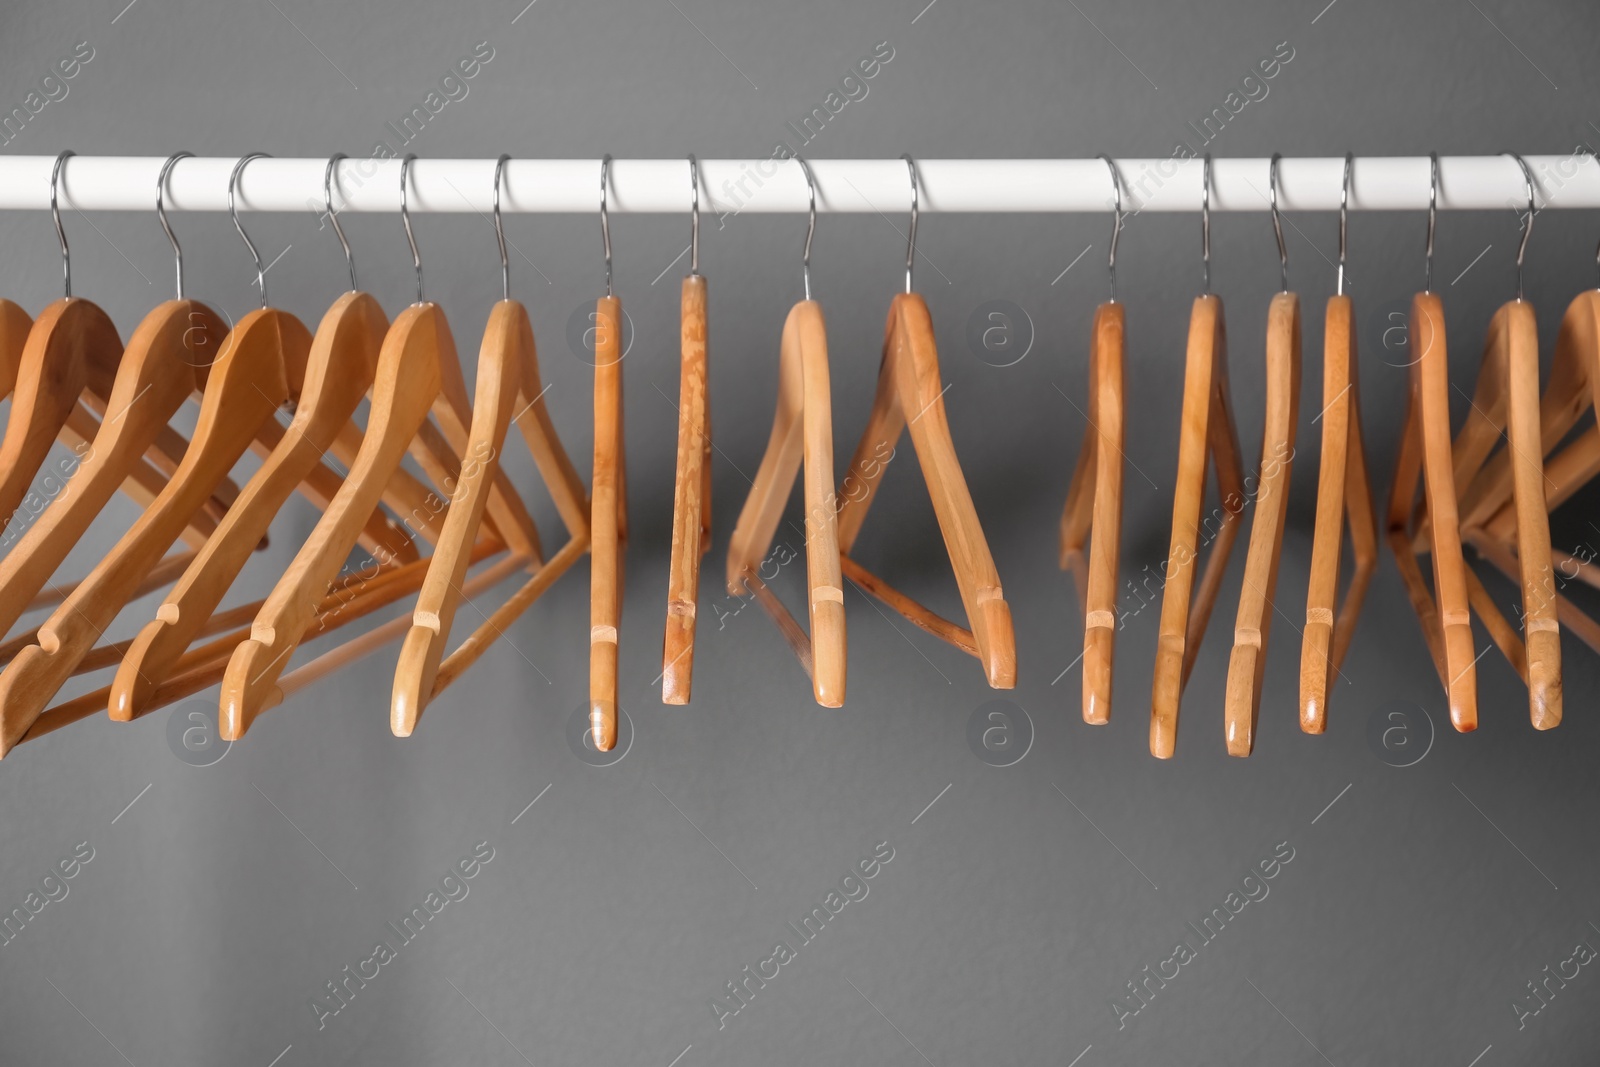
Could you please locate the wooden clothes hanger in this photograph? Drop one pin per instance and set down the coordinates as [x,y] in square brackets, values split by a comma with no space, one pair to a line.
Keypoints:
[691,494]
[508,389]
[1425,454]
[1208,433]
[418,374]
[1344,494]
[909,396]
[339,371]
[802,431]
[608,502]
[1257,597]
[1093,510]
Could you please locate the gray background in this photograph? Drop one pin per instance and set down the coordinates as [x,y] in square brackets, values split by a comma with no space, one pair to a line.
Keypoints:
[1020,903]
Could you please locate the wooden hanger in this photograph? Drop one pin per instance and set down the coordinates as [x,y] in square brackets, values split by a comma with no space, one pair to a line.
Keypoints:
[691,495]
[1093,510]
[802,430]
[1344,494]
[418,373]
[608,504]
[339,371]
[910,396]
[508,389]
[1258,594]
[1208,433]
[1424,454]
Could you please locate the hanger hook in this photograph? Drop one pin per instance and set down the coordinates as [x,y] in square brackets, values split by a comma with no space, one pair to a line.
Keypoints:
[1277,224]
[55,213]
[1116,225]
[161,213]
[1433,214]
[1527,220]
[499,230]
[405,218]
[694,217]
[811,224]
[1344,212]
[1205,219]
[605,213]
[233,181]
[911,240]
[329,177]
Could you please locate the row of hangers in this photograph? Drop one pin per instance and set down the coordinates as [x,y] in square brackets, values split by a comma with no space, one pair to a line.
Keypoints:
[71,379]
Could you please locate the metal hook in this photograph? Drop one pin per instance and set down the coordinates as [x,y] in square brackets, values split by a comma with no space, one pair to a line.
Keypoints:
[1344,207]
[911,241]
[694,216]
[405,219]
[233,180]
[1596,157]
[1433,214]
[1277,225]
[61,233]
[161,213]
[605,215]
[1116,226]
[499,230]
[811,225]
[1527,220]
[329,176]
[1205,220]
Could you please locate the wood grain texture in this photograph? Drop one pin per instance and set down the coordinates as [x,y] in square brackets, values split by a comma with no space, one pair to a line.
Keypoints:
[1344,494]
[691,497]
[1207,434]
[1093,511]
[909,381]
[607,524]
[1258,595]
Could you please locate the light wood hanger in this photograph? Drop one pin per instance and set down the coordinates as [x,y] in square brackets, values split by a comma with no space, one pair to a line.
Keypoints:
[1425,454]
[691,495]
[608,504]
[1208,433]
[802,431]
[1507,399]
[508,389]
[1093,510]
[418,373]
[339,372]
[1344,494]
[909,396]
[1257,596]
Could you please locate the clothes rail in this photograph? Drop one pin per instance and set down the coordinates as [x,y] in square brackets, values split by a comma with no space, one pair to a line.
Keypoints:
[1393,183]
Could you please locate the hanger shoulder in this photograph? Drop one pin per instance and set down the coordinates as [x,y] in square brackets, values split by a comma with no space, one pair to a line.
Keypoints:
[1099,591]
[15,325]
[885,423]
[508,516]
[1540,625]
[1253,623]
[405,387]
[691,500]
[499,366]
[607,525]
[780,464]
[921,391]
[556,468]
[1449,565]
[53,370]
[824,582]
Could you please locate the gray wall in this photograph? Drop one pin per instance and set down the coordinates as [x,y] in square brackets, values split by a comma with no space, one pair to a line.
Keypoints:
[1019,905]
